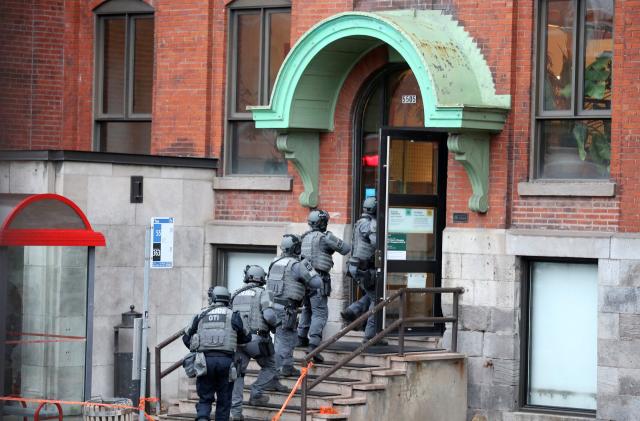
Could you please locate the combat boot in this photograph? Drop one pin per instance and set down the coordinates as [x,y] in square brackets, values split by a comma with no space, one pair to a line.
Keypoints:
[277,386]
[318,358]
[259,400]
[381,342]
[303,342]
[348,315]
[289,371]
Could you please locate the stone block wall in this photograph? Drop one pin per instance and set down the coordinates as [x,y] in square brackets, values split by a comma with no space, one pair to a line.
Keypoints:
[489,264]
[102,192]
[619,331]
[489,314]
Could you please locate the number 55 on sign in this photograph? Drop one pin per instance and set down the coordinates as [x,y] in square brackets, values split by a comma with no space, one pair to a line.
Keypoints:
[162,243]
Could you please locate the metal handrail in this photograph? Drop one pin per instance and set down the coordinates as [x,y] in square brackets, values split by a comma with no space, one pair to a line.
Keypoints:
[398,324]
[158,367]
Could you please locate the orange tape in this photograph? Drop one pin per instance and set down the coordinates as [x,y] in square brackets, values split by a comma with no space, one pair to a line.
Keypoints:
[43,341]
[46,335]
[58,338]
[327,410]
[140,406]
[303,374]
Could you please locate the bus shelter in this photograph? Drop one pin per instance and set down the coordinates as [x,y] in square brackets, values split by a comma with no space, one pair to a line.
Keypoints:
[47,261]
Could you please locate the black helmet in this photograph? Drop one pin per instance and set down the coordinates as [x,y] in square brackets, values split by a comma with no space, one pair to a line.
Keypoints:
[219,294]
[290,244]
[255,273]
[370,205]
[318,219]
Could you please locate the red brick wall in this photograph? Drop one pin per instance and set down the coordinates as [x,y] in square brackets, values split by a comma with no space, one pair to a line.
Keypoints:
[181,103]
[305,14]
[592,214]
[31,74]
[625,122]
[47,72]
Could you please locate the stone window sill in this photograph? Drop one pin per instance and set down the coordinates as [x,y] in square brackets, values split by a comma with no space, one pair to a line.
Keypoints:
[271,183]
[567,188]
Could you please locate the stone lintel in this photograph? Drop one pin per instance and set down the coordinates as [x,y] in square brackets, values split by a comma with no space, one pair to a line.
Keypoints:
[567,188]
[588,245]
[259,233]
[253,182]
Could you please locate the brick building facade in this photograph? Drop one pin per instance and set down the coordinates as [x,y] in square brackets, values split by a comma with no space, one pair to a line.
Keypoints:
[52,77]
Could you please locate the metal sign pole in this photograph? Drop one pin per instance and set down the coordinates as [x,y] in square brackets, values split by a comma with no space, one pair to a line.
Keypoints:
[145,320]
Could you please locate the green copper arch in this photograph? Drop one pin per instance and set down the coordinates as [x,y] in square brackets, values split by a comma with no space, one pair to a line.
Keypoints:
[455,81]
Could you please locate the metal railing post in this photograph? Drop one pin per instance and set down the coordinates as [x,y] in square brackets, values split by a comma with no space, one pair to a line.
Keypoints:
[303,399]
[158,366]
[454,324]
[401,328]
[158,371]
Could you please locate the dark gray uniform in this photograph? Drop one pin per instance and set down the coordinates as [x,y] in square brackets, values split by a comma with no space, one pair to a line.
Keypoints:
[318,247]
[214,332]
[362,269]
[255,307]
[287,280]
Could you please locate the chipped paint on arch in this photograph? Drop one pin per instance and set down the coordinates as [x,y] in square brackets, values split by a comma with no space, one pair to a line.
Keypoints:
[454,79]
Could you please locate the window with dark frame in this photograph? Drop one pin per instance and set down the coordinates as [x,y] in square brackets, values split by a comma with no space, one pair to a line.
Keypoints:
[124,77]
[558,361]
[259,37]
[573,113]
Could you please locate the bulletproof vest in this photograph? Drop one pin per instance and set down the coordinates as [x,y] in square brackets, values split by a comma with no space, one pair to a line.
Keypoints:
[249,304]
[215,331]
[313,251]
[363,249]
[282,282]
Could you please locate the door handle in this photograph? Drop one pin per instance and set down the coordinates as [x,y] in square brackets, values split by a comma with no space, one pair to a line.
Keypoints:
[378,262]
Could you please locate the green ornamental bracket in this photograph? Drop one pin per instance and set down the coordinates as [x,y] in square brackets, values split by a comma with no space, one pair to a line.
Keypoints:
[454,79]
[471,149]
[303,150]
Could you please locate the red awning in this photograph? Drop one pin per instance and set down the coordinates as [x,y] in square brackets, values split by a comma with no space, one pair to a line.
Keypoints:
[48,220]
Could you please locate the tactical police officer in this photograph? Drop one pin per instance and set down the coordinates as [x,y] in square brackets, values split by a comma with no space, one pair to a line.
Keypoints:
[362,266]
[213,334]
[287,281]
[257,312]
[318,245]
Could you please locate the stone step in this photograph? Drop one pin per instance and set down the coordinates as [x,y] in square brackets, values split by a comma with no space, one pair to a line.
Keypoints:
[358,371]
[322,417]
[314,400]
[409,339]
[385,376]
[261,412]
[332,356]
[333,385]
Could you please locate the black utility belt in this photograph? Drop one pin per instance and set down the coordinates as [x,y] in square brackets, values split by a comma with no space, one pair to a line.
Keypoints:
[263,333]
[286,302]
[217,353]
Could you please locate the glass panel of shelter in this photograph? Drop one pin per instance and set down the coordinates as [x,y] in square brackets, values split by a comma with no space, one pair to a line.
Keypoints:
[46,320]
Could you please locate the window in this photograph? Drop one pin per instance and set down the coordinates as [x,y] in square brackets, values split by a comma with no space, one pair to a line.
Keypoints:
[231,262]
[573,118]
[560,336]
[259,41]
[124,76]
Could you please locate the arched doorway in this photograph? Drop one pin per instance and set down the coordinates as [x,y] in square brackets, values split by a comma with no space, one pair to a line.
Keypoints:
[404,166]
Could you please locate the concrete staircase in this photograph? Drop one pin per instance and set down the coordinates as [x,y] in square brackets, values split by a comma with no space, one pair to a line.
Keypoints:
[377,381]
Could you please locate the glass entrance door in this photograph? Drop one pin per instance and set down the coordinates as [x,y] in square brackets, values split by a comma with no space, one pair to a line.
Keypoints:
[411,218]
